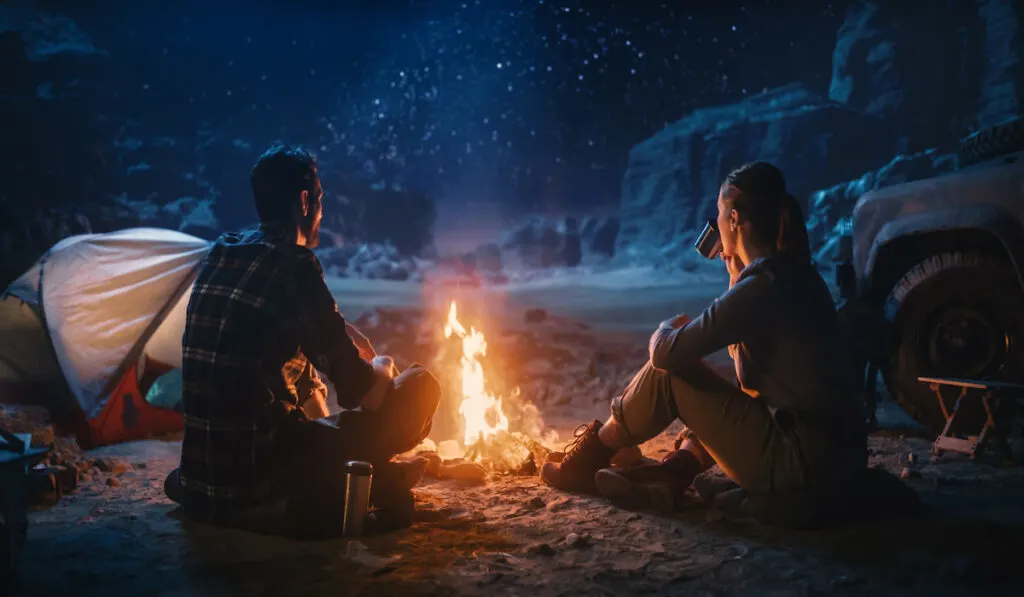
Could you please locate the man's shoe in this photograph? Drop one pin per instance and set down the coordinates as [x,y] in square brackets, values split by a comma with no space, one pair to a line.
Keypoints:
[583,457]
[658,485]
[396,476]
[396,512]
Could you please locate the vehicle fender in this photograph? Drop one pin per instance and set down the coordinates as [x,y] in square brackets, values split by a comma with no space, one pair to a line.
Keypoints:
[998,221]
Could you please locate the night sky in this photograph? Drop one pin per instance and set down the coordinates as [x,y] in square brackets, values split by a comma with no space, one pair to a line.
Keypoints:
[532,105]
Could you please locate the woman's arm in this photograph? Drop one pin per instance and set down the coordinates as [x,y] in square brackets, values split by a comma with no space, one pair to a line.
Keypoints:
[726,321]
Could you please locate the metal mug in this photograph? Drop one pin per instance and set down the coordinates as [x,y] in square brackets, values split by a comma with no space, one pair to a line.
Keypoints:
[709,243]
[358,478]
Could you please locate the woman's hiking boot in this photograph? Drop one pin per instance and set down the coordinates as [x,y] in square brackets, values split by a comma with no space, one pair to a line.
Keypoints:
[650,484]
[583,457]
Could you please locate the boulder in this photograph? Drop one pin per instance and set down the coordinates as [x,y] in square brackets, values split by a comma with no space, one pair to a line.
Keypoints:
[380,262]
[335,259]
[672,179]
[544,242]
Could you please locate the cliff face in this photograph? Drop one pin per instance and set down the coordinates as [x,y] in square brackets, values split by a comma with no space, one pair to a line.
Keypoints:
[1001,93]
[908,81]
[672,180]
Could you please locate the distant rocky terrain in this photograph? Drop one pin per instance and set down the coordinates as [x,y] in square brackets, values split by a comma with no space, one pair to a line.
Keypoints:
[907,84]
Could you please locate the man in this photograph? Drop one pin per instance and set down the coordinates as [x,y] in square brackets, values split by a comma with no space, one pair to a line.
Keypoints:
[261,322]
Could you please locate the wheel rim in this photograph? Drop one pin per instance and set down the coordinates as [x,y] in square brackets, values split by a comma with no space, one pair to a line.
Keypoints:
[964,341]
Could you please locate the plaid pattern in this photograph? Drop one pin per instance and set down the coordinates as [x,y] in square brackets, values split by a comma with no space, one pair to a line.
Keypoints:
[259,317]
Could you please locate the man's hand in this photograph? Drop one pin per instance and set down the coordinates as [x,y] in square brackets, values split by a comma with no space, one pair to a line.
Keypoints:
[386,364]
[362,343]
[734,265]
[384,372]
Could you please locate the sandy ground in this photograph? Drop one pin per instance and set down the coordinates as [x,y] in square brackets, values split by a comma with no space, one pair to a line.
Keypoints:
[118,535]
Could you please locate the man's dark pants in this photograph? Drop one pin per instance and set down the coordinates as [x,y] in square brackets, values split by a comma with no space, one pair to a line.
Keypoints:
[311,473]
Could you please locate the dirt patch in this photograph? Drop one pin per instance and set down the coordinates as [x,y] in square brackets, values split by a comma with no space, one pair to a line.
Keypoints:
[117,533]
[517,536]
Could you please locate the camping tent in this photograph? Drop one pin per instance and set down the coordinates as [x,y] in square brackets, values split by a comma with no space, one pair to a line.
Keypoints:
[88,327]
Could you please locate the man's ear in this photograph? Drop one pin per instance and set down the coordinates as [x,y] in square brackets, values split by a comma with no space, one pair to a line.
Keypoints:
[304,195]
[734,220]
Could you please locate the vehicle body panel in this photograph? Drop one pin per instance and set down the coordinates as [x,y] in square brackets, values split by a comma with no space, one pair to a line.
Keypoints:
[988,196]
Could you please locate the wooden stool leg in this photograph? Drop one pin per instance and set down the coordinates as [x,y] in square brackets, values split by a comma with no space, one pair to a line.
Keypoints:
[939,444]
[988,426]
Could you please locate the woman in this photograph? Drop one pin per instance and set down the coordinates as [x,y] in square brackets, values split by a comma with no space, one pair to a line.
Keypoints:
[793,427]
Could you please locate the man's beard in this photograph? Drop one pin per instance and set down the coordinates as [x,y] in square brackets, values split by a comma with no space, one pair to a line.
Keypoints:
[311,230]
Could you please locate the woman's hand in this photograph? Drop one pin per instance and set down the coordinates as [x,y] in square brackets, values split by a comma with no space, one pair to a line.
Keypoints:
[362,343]
[734,265]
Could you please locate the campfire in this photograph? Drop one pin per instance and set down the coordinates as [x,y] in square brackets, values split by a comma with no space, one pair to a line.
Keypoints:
[489,435]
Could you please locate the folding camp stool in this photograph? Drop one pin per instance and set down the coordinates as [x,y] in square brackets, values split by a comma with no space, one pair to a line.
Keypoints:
[995,397]
[16,457]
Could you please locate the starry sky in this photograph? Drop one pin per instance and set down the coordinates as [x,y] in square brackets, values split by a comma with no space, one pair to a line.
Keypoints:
[528,105]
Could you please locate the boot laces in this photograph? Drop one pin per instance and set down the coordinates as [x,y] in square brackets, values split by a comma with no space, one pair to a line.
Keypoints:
[574,446]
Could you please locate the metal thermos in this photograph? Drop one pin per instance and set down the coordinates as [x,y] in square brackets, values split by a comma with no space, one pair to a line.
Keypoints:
[709,243]
[358,477]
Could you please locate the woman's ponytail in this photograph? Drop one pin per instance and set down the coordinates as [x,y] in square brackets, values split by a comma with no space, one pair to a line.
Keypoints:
[791,240]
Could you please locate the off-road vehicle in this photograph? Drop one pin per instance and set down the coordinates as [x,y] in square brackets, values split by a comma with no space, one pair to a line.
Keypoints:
[931,275]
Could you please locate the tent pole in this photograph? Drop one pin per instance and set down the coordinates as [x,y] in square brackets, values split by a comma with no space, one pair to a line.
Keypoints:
[140,344]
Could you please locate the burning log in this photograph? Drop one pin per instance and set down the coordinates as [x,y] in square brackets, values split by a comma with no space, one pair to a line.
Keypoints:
[467,472]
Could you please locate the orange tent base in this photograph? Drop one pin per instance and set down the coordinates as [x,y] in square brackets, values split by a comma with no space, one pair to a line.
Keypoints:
[126,416]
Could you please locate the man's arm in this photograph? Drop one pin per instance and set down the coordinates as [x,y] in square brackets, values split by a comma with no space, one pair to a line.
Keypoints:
[726,321]
[323,334]
[366,351]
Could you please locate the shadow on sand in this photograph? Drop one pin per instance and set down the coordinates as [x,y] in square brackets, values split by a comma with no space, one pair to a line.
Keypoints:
[411,562]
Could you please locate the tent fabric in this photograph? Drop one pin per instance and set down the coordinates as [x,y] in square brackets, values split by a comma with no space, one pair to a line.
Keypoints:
[127,416]
[26,287]
[165,343]
[26,357]
[90,315]
[100,295]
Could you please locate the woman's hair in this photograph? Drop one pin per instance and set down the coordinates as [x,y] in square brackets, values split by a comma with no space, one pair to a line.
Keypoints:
[758,193]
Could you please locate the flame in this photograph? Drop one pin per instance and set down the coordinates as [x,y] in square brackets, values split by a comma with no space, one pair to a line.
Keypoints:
[478,408]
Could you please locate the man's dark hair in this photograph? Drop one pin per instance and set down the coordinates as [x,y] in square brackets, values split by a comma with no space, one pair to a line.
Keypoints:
[280,174]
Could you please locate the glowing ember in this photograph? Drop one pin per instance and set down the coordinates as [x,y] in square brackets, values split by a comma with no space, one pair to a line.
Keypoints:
[481,412]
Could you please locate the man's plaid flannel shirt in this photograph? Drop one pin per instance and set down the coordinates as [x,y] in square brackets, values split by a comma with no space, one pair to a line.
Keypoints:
[259,317]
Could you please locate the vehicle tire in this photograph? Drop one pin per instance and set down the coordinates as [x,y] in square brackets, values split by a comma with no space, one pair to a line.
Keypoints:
[954,314]
[991,143]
